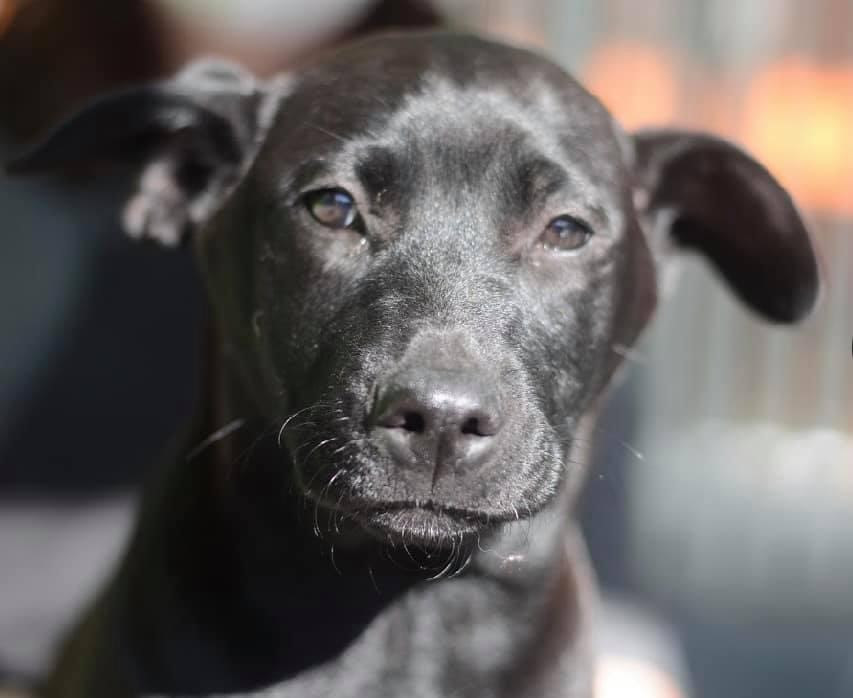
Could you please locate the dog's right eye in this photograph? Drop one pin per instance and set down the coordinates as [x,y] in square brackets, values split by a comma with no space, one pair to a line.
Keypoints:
[333,208]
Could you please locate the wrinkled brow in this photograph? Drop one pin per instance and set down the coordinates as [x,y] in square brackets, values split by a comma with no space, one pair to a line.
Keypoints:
[377,169]
[532,182]
[386,176]
[307,172]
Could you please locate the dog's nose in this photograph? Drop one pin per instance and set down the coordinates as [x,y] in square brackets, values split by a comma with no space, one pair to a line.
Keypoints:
[438,419]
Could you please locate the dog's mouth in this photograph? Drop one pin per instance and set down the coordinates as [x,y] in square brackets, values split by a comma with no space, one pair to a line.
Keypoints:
[415,522]
[413,486]
[365,493]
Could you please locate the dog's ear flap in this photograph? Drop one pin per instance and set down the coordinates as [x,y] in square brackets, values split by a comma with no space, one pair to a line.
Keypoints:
[700,193]
[192,136]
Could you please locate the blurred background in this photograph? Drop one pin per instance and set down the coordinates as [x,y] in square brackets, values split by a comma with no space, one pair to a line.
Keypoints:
[721,499]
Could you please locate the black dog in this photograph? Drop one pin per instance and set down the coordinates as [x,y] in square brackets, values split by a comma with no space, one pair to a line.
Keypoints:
[423,253]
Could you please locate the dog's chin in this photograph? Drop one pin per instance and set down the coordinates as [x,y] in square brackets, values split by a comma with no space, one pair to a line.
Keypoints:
[422,526]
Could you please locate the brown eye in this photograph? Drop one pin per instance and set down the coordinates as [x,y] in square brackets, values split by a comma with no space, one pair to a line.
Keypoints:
[333,208]
[565,233]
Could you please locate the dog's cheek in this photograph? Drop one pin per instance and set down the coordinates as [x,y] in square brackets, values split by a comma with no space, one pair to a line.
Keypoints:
[567,344]
[635,293]
[290,337]
[297,295]
[228,252]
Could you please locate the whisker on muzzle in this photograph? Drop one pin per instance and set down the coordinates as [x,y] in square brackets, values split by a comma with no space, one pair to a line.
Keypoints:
[288,421]
[218,435]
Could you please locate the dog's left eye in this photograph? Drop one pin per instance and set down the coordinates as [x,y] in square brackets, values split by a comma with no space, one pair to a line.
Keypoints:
[334,208]
[565,233]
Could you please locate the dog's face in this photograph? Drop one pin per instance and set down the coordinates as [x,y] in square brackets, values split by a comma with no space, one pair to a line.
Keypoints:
[441,264]
[429,252]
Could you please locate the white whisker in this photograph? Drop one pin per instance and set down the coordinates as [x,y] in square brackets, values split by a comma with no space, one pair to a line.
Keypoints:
[218,435]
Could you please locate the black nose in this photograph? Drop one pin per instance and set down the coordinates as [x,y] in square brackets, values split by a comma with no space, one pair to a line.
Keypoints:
[438,419]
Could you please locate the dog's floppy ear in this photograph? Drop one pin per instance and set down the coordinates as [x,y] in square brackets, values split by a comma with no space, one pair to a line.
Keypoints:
[192,135]
[704,194]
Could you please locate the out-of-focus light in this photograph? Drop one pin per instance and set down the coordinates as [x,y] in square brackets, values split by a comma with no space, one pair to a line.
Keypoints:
[266,20]
[515,30]
[636,82]
[799,121]
[7,13]
[620,676]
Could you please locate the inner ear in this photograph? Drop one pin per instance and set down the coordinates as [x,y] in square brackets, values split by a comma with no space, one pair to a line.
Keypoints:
[708,196]
[192,137]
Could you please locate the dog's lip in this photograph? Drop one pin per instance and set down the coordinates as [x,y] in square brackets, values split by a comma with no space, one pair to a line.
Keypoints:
[406,522]
[454,512]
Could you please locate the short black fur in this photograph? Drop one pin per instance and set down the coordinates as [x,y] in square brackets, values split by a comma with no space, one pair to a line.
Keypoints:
[407,401]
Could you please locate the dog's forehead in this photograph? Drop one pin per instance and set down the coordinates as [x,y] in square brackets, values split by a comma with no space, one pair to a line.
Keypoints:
[445,90]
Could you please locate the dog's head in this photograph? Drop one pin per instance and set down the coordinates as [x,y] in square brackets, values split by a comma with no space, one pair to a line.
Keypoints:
[428,252]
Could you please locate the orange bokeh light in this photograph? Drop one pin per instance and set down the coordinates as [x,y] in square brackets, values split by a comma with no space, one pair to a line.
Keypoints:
[636,82]
[798,120]
[7,13]
[795,115]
